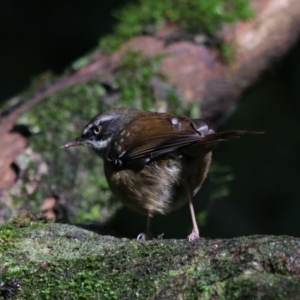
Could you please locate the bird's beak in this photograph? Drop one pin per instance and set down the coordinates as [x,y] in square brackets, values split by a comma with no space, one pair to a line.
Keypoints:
[73,143]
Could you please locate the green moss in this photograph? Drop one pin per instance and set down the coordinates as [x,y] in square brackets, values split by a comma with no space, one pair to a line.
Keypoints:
[71,174]
[192,15]
[59,261]
[265,286]
[10,235]
[228,53]
[133,79]
[26,219]
[7,236]
[66,262]
[141,85]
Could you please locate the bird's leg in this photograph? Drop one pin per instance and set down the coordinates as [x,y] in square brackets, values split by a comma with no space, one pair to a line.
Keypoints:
[195,234]
[147,235]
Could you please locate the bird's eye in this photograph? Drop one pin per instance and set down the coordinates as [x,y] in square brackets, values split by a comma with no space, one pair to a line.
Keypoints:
[97,129]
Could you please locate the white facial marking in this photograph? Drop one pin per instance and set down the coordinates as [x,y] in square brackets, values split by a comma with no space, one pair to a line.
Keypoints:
[99,145]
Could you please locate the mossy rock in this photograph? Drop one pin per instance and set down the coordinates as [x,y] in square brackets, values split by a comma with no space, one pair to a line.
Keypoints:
[56,261]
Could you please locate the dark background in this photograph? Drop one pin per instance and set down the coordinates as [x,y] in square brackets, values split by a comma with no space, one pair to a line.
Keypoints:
[265,194]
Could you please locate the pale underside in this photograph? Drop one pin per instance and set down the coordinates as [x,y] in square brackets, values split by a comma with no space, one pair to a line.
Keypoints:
[164,184]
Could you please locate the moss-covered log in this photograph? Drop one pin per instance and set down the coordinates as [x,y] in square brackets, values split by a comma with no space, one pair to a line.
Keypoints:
[57,261]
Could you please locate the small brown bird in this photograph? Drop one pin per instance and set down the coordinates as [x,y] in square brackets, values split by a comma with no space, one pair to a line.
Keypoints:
[154,162]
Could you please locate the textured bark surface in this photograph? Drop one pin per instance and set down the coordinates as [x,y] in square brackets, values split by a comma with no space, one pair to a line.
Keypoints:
[12,145]
[56,261]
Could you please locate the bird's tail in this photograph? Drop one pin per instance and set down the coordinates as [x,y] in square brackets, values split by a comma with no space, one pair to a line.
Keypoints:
[226,135]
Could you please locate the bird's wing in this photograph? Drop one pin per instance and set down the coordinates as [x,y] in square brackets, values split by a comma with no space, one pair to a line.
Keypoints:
[163,134]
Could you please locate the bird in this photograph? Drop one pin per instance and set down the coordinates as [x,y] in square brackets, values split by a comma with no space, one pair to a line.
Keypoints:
[154,162]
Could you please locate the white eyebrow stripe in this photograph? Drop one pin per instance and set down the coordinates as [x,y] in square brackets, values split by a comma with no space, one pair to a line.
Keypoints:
[98,122]
[105,118]
[86,129]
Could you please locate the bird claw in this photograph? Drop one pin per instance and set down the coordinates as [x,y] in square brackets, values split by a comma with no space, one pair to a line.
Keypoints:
[144,237]
[193,236]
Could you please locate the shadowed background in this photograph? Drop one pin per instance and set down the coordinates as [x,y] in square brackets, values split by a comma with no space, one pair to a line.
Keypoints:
[264,195]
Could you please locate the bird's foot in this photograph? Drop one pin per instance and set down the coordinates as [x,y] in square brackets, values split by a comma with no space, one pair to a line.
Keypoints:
[161,236]
[144,237]
[193,236]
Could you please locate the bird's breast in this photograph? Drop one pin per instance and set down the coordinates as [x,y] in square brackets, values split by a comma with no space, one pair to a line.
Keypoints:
[159,186]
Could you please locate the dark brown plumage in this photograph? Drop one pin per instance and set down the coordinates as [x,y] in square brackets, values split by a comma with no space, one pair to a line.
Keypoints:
[153,162]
